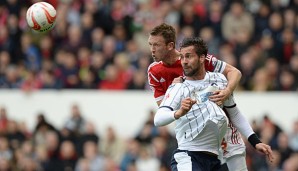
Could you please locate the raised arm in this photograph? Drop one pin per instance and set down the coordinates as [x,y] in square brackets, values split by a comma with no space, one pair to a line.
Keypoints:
[233,76]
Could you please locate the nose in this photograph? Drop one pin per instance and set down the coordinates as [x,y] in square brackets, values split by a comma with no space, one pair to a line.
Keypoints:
[183,60]
[152,49]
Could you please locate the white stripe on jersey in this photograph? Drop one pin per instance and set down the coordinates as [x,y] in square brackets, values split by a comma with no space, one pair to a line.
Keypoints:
[153,78]
[190,125]
[159,98]
[220,66]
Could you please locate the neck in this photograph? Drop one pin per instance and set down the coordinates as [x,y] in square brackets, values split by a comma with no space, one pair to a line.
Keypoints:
[200,75]
[172,57]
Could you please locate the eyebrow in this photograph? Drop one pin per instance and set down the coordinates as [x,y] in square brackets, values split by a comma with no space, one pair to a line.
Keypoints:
[188,53]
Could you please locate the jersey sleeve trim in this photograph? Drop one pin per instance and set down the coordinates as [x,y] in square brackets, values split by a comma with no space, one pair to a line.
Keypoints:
[167,107]
[159,98]
[220,66]
[234,105]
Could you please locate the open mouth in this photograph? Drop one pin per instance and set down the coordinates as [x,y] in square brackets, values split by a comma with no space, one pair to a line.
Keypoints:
[154,58]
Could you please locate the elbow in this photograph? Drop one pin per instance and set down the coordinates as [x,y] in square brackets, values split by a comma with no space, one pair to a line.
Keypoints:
[238,73]
[163,117]
[231,70]
[157,121]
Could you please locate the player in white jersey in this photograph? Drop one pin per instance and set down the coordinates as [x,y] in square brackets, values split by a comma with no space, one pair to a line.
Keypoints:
[234,150]
[202,94]
[200,123]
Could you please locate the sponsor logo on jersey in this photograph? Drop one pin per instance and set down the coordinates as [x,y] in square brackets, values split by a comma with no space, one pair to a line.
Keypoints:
[214,61]
[162,80]
[167,96]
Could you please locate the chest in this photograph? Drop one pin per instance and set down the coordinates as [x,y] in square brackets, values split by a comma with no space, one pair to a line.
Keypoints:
[167,75]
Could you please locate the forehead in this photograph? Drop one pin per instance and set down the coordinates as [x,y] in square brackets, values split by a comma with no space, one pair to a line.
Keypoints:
[189,49]
[155,39]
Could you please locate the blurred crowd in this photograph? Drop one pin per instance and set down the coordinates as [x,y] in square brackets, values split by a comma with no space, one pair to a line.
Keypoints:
[77,146]
[102,44]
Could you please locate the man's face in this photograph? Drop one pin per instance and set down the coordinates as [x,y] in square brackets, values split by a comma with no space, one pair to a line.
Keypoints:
[158,48]
[190,61]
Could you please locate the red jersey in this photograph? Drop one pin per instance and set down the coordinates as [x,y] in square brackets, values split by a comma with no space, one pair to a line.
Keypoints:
[160,75]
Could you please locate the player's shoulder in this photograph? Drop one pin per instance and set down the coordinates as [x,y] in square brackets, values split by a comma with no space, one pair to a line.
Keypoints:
[154,65]
[177,86]
[216,75]
[211,57]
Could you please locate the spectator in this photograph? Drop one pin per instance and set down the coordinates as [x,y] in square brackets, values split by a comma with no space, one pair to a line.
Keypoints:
[5,151]
[14,135]
[3,120]
[291,164]
[112,79]
[89,134]
[237,22]
[293,137]
[112,146]
[130,155]
[287,80]
[146,161]
[75,122]
[94,160]
[283,147]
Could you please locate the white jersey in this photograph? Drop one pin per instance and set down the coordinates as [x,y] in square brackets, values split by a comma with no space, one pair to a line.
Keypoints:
[203,114]
[234,143]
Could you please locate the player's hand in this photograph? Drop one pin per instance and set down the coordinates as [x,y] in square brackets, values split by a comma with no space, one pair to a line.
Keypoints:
[265,149]
[186,105]
[219,96]
[178,79]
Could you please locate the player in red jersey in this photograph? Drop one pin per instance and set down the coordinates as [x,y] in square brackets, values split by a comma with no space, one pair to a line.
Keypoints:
[167,66]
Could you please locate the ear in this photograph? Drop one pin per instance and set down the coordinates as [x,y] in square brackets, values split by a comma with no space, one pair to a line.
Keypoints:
[171,45]
[202,59]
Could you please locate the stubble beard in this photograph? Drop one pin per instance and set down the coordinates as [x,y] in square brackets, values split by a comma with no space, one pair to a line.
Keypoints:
[193,72]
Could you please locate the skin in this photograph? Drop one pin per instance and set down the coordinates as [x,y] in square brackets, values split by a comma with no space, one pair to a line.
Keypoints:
[167,53]
[265,149]
[161,51]
[193,67]
[233,75]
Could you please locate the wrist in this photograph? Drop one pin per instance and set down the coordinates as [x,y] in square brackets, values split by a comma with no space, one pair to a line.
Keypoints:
[253,139]
[229,89]
[177,114]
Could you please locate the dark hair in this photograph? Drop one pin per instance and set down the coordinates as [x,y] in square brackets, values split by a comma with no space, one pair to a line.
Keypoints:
[168,32]
[198,43]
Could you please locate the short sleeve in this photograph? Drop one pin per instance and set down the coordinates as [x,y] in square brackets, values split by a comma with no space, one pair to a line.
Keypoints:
[229,102]
[212,64]
[173,96]
[155,85]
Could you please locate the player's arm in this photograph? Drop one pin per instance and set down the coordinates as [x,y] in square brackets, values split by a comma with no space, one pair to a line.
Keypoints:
[176,80]
[237,119]
[233,76]
[173,106]
[156,87]
[242,124]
